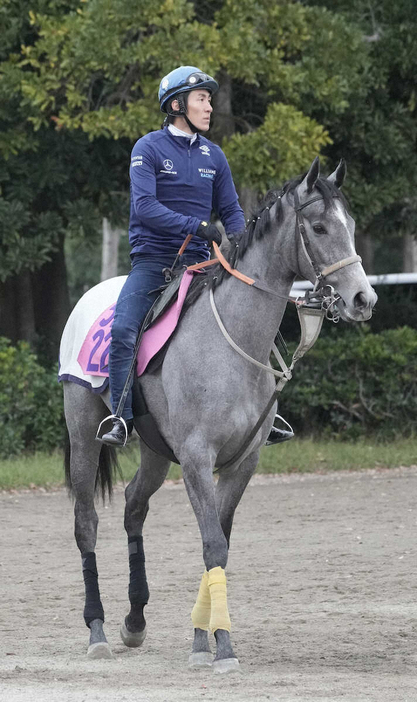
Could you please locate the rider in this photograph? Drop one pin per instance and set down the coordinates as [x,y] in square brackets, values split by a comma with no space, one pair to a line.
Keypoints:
[177,177]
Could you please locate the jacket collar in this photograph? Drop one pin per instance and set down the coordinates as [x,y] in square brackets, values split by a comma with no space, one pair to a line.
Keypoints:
[182,137]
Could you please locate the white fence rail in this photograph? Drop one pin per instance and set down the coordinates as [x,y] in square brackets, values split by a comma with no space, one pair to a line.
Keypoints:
[385,279]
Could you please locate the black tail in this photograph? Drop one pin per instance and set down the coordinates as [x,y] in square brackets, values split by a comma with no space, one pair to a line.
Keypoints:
[108,466]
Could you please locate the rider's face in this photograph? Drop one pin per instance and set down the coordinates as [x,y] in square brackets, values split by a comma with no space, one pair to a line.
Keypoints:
[199,111]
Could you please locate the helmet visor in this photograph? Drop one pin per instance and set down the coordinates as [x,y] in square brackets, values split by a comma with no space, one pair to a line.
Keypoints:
[195,78]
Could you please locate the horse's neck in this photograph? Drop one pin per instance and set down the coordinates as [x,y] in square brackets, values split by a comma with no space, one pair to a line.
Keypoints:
[252,316]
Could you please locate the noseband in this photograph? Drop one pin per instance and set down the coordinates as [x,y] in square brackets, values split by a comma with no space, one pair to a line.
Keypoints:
[322,295]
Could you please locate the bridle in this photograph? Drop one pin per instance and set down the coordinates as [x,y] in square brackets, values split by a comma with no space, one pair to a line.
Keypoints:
[323,295]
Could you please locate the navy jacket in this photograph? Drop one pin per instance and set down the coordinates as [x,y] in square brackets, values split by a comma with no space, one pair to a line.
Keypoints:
[173,187]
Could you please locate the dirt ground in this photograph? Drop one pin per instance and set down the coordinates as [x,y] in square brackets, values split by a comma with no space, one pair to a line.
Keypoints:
[322,583]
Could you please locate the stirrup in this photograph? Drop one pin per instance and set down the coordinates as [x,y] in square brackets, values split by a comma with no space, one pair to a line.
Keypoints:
[277,436]
[106,419]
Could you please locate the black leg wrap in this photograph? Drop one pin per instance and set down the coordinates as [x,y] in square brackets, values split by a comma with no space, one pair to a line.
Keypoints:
[93,608]
[138,586]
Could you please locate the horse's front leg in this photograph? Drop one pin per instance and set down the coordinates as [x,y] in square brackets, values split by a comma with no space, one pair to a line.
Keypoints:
[231,485]
[229,490]
[149,477]
[210,611]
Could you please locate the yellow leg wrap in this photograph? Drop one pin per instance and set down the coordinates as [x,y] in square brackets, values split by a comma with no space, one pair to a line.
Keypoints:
[200,615]
[219,618]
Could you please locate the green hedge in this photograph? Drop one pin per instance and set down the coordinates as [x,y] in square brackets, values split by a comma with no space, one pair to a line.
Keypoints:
[356,384]
[348,386]
[31,407]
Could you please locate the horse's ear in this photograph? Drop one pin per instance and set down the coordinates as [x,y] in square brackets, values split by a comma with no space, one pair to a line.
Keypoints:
[310,180]
[338,176]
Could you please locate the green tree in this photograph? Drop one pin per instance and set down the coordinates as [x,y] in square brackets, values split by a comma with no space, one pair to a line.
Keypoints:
[377,132]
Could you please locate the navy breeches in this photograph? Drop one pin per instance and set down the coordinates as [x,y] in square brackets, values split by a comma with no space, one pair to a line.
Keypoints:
[133,304]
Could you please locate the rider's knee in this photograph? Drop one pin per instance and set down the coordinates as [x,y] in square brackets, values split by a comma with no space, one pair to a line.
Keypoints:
[124,331]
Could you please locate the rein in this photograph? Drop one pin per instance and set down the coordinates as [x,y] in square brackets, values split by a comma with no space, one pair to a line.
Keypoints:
[285,374]
[237,274]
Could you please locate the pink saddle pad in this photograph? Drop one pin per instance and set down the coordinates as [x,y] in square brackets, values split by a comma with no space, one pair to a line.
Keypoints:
[94,353]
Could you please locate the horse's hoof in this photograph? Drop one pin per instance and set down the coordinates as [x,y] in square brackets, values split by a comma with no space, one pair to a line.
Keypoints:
[200,659]
[226,665]
[132,640]
[99,650]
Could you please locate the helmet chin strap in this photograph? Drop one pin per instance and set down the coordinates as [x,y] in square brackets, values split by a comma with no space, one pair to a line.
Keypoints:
[191,125]
[182,112]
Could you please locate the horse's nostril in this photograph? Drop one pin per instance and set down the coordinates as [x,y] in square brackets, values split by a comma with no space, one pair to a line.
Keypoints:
[360,301]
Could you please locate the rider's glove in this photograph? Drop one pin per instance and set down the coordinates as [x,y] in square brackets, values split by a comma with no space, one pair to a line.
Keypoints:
[209,232]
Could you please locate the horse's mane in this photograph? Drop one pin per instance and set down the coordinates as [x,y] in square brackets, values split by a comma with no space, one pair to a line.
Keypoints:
[257,226]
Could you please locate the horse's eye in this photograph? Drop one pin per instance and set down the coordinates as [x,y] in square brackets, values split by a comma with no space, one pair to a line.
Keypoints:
[319,229]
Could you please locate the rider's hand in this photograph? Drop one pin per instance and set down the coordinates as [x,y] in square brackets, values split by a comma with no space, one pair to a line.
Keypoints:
[209,232]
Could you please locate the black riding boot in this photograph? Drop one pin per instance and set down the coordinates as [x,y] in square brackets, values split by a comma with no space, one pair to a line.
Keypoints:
[117,436]
[277,436]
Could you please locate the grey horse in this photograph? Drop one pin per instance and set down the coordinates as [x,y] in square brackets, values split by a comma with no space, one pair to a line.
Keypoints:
[206,398]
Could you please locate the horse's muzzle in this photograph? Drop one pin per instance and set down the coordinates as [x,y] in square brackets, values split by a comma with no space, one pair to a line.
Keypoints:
[361,307]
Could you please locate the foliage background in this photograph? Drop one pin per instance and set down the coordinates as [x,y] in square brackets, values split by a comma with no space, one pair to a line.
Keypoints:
[31,408]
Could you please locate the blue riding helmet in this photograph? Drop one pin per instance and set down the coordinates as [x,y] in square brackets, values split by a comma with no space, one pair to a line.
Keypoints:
[182,80]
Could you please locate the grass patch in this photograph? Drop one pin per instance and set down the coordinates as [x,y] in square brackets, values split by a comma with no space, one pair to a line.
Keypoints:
[308,455]
[32,470]
[296,456]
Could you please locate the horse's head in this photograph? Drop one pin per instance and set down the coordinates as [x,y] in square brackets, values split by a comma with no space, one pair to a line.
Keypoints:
[326,250]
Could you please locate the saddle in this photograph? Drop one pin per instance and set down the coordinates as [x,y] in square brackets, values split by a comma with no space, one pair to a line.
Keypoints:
[168,295]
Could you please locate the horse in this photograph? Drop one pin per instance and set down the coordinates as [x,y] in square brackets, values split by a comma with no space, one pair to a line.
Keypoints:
[205,399]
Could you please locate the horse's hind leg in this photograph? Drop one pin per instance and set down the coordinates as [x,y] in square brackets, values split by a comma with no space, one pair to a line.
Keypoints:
[83,412]
[149,477]
[229,490]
